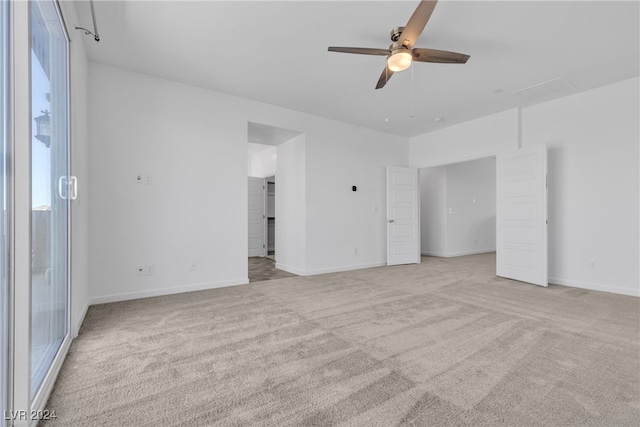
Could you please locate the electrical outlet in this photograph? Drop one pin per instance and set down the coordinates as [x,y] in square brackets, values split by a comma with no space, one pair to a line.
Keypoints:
[592,264]
[148,179]
[150,269]
[193,266]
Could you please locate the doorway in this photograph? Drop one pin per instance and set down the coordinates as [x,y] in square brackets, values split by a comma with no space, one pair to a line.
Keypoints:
[458,208]
[262,142]
[519,178]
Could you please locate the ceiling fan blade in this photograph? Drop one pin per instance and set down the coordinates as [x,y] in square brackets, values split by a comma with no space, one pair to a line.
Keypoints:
[384,77]
[416,23]
[360,50]
[441,56]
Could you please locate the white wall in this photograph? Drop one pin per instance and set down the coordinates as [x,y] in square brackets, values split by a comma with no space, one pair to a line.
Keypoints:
[79,168]
[193,146]
[193,143]
[290,213]
[338,219]
[478,138]
[593,177]
[458,208]
[471,198]
[433,211]
[593,140]
[263,163]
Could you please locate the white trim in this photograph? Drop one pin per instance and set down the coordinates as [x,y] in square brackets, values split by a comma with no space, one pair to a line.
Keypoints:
[330,269]
[346,268]
[595,287]
[456,254]
[168,291]
[21,206]
[290,269]
[78,322]
[41,398]
[436,254]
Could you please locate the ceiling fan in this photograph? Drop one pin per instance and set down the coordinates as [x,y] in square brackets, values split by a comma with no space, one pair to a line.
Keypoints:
[401,53]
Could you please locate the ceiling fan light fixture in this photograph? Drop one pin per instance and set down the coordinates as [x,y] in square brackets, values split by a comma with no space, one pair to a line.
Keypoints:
[399,60]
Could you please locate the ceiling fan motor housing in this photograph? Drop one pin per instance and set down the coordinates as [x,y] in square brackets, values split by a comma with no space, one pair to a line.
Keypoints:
[398,47]
[395,33]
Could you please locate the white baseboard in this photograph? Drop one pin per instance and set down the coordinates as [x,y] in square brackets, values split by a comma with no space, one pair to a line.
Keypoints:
[438,254]
[330,269]
[79,321]
[346,268]
[595,287]
[292,270]
[455,254]
[167,291]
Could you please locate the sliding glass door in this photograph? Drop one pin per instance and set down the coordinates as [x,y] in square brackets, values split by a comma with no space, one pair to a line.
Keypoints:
[49,189]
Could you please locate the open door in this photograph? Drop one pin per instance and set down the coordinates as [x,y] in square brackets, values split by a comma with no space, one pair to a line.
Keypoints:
[403,216]
[521,215]
[256,217]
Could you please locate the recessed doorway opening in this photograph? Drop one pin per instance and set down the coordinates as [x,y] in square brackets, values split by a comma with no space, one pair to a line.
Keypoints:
[458,209]
[263,200]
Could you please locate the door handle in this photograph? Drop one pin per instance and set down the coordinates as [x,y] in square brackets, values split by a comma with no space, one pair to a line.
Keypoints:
[68,187]
[62,182]
[73,184]
[390,220]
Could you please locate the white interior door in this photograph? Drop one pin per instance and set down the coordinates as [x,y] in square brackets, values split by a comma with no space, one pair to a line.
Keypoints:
[256,216]
[403,216]
[521,215]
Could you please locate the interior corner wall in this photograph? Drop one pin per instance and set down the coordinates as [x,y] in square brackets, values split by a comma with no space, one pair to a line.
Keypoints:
[433,211]
[79,154]
[458,208]
[593,164]
[290,241]
[593,168]
[471,207]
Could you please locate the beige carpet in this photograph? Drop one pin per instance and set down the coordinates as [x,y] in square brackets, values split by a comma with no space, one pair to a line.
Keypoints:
[441,343]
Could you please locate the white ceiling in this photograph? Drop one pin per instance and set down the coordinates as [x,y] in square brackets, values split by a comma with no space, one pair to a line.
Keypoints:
[276,52]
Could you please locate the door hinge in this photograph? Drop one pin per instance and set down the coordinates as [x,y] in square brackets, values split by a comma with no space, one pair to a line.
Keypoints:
[263,246]
[263,217]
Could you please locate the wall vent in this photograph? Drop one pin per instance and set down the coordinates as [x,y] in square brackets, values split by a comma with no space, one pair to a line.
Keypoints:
[551,89]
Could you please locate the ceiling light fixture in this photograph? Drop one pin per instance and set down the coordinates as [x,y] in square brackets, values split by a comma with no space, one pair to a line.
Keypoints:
[399,59]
